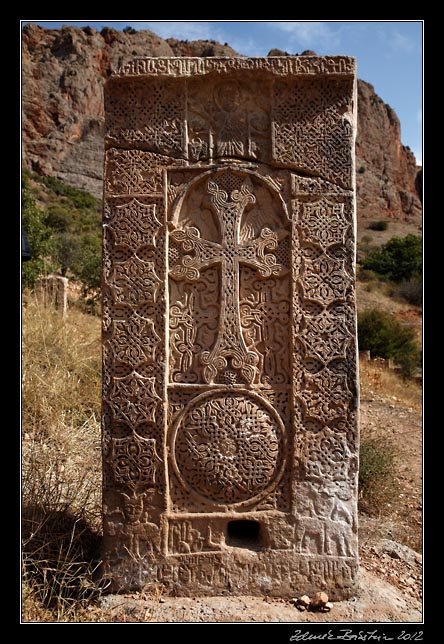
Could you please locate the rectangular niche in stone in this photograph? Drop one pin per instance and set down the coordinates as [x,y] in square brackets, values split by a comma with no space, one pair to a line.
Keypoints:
[230,402]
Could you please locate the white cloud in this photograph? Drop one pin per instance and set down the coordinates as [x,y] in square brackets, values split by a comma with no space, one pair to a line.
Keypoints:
[308,34]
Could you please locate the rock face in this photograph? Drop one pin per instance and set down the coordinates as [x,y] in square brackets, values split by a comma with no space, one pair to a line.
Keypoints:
[64,71]
[386,170]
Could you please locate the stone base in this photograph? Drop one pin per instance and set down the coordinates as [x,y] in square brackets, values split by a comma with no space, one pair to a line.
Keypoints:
[238,571]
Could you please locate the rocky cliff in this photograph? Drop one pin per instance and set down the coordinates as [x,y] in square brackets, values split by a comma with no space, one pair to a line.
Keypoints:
[386,174]
[63,73]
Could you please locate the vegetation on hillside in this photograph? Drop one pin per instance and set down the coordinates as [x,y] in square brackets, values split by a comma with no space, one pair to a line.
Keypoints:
[377,475]
[67,239]
[395,267]
[398,260]
[39,235]
[381,224]
[385,337]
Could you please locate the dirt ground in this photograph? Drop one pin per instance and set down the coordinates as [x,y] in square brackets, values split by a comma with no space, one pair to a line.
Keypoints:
[390,579]
[376,601]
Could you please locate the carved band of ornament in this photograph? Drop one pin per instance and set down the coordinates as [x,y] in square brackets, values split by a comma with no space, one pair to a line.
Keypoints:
[135,281]
[134,172]
[326,455]
[324,222]
[276,65]
[326,335]
[325,279]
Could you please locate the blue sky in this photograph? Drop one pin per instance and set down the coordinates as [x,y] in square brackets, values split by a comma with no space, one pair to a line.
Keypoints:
[388,53]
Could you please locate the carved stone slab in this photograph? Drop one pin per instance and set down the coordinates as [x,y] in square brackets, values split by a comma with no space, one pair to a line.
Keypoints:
[230,401]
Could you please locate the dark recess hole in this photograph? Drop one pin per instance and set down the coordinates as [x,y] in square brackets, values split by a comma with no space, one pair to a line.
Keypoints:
[243,533]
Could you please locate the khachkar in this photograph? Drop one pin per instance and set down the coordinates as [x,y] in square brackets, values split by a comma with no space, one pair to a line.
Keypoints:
[230,431]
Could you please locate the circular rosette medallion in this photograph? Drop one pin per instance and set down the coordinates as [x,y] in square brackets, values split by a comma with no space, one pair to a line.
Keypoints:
[228,447]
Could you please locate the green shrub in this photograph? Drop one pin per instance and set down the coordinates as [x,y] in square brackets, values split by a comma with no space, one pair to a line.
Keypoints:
[377,470]
[75,220]
[398,260]
[79,198]
[59,217]
[39,234]
[378,225]
[89,270]
[386,337]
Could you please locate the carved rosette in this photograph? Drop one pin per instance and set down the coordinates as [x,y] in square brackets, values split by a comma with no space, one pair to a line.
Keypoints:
[228,447]
[133,222]
[134,462]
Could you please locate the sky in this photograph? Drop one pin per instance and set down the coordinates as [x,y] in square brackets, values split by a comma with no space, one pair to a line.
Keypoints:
[389,54]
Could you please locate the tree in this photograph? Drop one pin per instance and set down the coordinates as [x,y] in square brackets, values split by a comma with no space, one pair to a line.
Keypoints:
[67,252]
[89,270]
[399,259]
[34,223]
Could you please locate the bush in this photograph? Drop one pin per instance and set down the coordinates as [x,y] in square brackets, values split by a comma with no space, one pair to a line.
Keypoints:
[398,260]
[34,223]
[385,337]
[377,469]
[378,225]
[59,217]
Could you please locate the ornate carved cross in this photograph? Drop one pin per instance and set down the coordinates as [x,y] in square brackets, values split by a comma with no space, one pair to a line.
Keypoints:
[229,254]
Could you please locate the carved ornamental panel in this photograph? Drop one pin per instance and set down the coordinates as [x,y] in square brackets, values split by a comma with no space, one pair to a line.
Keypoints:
[230,401]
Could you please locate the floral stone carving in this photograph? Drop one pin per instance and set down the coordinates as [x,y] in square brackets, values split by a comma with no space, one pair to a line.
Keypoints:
[229,342]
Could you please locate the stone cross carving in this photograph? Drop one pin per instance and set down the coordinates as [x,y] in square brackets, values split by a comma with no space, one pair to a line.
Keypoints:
[229,254]
[230,404]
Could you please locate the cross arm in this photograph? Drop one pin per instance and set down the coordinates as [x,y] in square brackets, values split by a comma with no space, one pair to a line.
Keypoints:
[205,254]
[253,253]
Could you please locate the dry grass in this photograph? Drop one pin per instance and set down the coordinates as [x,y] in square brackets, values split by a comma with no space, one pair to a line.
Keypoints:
[61,480]
[375,379]
[377,475]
